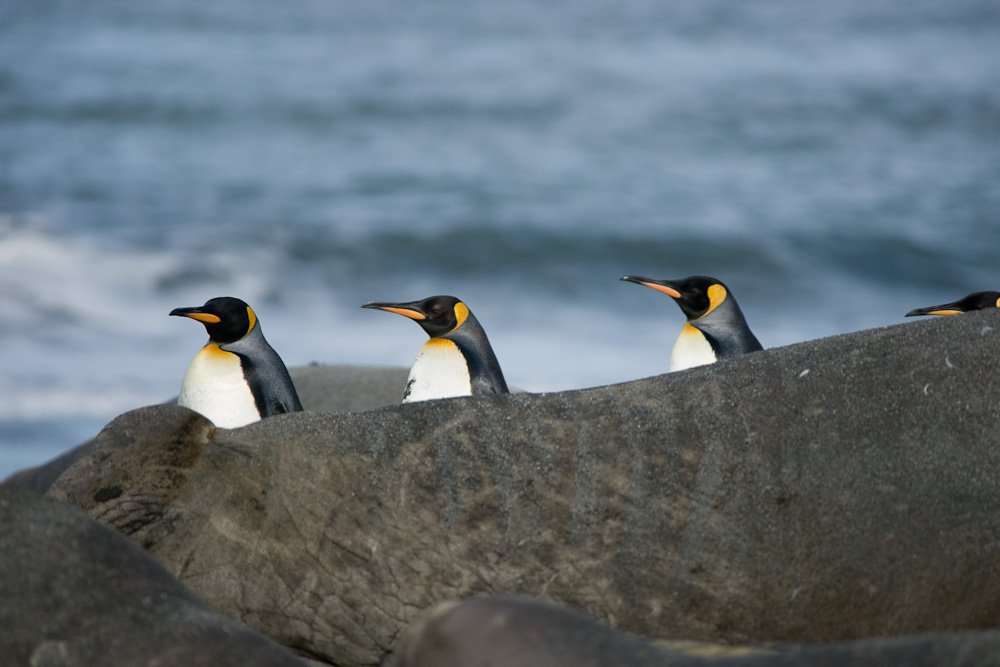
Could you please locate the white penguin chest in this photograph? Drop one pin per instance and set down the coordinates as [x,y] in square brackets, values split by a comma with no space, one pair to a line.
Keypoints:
[691,349]
[439,371]
[214,386]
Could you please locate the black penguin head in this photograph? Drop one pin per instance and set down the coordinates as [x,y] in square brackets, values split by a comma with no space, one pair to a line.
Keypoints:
[227,319]
[697,295]
[975,301]
[438,315]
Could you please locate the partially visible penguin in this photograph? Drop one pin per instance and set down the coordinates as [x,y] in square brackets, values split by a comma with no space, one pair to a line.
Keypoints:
[237,378]
[715,327]
[975,301]
[457,360]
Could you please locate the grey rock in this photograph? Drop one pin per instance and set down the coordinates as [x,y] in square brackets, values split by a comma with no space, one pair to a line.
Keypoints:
[74,592]
[838,489]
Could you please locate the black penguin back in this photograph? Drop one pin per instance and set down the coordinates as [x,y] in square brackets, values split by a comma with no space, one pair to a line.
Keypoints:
[266,375]
[485,374]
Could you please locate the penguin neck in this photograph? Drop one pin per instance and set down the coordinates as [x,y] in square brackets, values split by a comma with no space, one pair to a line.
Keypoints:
[214,385]
[484,369]
[727,331]
[439,371]
[253,338]
[691,349]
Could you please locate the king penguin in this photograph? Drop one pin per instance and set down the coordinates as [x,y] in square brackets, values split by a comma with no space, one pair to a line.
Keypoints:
[457,360]
[715,328]
[975,301]
[237,378]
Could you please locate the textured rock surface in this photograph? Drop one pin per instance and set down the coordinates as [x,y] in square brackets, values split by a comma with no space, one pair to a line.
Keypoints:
[75,592]
[835,489]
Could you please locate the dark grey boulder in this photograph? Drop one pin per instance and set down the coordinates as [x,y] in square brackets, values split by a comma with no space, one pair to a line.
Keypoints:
[837,489]
[513,632]
[74,592]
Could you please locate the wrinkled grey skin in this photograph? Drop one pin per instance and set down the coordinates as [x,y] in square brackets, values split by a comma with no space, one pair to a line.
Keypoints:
[837,489]
[513,632]
[321,389]
[75,592]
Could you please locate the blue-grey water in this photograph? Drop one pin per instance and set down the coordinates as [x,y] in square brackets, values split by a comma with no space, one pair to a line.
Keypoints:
[836,163]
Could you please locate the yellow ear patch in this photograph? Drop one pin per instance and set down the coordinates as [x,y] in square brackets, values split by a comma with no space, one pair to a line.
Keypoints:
[998,303]
[716,295]
[207,318]
[252,317]
[461,314]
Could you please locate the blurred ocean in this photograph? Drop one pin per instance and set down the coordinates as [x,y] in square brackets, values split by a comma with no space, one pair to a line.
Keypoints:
[836,163]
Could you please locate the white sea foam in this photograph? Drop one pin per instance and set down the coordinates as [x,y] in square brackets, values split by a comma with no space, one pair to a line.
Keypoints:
[85,326]
[834,165]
